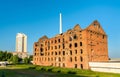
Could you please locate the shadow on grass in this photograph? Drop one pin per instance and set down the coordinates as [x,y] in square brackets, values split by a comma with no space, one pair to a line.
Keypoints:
[33,73]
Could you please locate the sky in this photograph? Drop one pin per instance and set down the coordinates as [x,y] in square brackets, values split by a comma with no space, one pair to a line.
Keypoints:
[36,18]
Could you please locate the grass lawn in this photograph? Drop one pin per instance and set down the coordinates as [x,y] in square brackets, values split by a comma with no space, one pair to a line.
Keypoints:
[41,71]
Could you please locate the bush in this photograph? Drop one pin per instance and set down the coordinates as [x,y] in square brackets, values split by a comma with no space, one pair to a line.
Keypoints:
[71,72]
[58,71]
[42,69]
[33,67]
[50,69]
[38,68]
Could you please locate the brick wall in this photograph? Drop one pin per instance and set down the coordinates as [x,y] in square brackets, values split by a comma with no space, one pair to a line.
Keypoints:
[73,49]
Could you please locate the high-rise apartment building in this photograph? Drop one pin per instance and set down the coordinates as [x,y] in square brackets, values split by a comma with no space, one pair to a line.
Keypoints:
[21,45]
[21,42]
[74,48]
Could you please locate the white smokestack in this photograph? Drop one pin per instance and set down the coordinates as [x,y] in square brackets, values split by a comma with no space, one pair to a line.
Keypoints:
[60,23]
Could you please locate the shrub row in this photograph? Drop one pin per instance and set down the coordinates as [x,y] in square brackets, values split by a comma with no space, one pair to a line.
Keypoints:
[53,69]
[60,70]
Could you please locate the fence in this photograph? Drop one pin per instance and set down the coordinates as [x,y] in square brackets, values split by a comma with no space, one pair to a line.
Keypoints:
[112,67]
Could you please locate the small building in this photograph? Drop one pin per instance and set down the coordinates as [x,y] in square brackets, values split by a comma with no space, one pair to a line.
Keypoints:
[73,49]
[3,63]
[21,54]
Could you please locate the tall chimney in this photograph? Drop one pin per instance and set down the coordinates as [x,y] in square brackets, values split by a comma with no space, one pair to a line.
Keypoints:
[60,23]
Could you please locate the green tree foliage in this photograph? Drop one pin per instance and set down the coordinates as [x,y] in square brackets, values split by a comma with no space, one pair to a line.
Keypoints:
[26,60]
[4,55]
[31,57]
[7,56]
[1,55]
[15,59]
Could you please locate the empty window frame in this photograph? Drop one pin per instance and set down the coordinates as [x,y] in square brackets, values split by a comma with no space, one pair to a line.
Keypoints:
[55,41]
[70,45]
[81,58]
[55,53]
[75,65]
[59,53]
[63,64]
[55,47]
[81,66]
[75,58]
[70,59]
[63,52]
[80,43]
[75,51]
[59,46]
[63,46]
[75,37]
[103,36]
[75,44]
[81,51]
[70,38]
[58,40]
[70,52]
[59,59]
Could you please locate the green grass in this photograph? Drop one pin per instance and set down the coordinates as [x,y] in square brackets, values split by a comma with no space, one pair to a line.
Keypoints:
[42,71]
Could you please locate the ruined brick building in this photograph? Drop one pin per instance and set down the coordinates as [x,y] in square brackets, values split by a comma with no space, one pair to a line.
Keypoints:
[73,49]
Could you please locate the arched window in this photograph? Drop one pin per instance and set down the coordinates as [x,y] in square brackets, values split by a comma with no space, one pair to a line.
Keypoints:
[75,44]
[80,43]
[59,53]
[81,59]
[75,37]
[70,45]
[70,59]
[55,47]
[81,51]
[75,65]
[55,41]
[75,51]
[63,45]
[103,36]
[59,64]
[48,59]
[70,52]
[51,41]
[52,53]
[75,58]
[35,49]
[63,64]
[41,49]
[59,40]
[81,66]
[48,45]
[55,53]
[59,59]
[59,46]
[70,38]
[63,52]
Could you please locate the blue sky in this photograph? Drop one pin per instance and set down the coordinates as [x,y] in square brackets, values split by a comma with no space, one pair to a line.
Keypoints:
[36,18]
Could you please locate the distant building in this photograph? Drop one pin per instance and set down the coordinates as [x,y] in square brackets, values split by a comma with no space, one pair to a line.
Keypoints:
[21,42]
[73,49]
[21,45]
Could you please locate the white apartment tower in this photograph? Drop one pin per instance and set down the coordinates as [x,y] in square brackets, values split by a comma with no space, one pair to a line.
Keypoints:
[21,42]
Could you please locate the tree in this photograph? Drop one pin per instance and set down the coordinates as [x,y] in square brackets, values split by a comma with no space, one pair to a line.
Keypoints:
[26,60]
[1,55]
[31,57]
[4,55]
[15,59]
[9,55]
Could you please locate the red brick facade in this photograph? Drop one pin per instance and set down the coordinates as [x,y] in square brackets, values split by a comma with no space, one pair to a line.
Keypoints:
[73,49]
